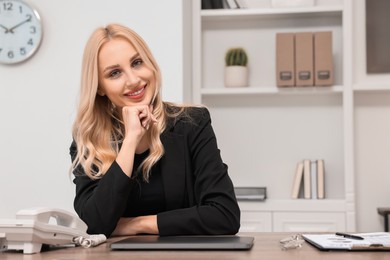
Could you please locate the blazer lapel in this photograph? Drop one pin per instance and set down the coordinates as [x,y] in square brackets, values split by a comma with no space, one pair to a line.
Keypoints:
[173,169]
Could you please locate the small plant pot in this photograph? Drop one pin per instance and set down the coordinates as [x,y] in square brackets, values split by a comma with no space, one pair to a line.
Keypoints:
[236,76]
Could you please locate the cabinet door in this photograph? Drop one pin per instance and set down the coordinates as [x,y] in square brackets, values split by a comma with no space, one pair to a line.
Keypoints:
[308,222]
[254,221]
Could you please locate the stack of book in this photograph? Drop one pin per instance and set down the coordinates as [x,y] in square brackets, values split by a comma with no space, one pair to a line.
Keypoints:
[309,180]
[223,4]
[251,193]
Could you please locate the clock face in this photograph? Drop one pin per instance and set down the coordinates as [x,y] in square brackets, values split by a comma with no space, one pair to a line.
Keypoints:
[20,31]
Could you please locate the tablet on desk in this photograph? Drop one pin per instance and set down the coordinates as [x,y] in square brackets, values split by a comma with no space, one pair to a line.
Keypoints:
[184,243]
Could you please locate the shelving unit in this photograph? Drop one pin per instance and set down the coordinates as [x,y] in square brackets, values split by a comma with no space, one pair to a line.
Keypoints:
[262,130]
[270,90]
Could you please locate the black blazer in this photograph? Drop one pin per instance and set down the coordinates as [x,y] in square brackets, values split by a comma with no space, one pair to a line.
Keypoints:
[199,193]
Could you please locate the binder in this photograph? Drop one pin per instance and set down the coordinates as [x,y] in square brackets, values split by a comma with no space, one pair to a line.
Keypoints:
[304,59]
[206,4]
[323,59]
[285,75]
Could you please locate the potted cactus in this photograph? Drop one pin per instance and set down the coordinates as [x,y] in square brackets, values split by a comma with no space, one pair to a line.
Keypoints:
[236,71]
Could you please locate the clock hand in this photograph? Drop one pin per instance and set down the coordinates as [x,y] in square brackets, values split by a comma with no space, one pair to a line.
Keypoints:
[6,29]
[19,24]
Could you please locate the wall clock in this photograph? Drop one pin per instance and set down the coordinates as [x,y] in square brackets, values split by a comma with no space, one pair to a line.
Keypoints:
[20,31]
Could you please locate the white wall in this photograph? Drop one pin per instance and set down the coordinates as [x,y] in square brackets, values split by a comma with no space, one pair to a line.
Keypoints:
[372,134]
[38,97]
[372,164]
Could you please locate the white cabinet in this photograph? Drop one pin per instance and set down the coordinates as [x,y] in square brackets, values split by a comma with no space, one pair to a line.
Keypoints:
[255,221]
[262,130]
[293,216]
[308,222]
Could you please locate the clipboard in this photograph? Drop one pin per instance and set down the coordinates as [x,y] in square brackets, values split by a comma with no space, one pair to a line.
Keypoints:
[377,241]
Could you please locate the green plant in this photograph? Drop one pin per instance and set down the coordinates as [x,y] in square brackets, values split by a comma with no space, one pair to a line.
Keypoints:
[236,57]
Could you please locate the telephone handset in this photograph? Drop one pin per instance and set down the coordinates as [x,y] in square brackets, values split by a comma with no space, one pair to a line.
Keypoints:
[36,226]
[63,218]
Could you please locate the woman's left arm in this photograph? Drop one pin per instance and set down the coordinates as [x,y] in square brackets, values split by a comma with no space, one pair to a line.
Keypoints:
[136,225]
[216,211]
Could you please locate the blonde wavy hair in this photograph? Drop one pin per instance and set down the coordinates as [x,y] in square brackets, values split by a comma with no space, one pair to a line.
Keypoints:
[97,129]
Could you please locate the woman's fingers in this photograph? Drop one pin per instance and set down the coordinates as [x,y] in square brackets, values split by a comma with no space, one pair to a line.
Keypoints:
[148,120]
[138,116]
[146,117]
[154,119]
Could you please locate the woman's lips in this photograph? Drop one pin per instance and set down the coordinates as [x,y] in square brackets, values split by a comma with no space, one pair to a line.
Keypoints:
[137,94]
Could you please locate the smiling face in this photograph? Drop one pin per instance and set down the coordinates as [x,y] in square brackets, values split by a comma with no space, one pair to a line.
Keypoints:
[123,76]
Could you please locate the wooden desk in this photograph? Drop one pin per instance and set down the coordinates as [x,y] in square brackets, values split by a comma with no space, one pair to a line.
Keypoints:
[266,247]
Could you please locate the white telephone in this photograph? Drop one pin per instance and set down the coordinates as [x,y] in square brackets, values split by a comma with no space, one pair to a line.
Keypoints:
[36,226]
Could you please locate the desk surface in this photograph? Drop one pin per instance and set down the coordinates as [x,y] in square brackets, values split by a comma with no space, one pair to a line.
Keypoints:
[266,246]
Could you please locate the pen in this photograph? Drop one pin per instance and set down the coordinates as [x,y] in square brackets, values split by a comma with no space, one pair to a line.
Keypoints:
[349,236]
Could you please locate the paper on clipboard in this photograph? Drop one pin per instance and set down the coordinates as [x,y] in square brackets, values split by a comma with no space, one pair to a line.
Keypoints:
[372,241]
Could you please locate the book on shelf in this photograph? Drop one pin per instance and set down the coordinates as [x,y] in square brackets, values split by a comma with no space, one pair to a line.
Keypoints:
[207,4]
[251,193]
[223,4]
[213,4]
[241,4]
[297,184]
[309,180]
[232,4]
[217,4]
[306,179]
[313,179]
[320,179]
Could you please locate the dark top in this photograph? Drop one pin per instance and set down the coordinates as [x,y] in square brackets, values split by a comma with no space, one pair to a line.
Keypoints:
[147,198]
[198,193]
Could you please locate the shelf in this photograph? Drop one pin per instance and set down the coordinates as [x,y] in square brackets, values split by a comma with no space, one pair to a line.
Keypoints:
[269,12]
[372,88]
[258,38]
[296,205]
[271,91]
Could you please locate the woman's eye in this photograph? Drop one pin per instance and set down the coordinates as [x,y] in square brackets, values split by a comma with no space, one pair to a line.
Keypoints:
[114,74]
[136,63]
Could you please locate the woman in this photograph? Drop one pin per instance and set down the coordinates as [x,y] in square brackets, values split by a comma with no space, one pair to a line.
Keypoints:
[142,165]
